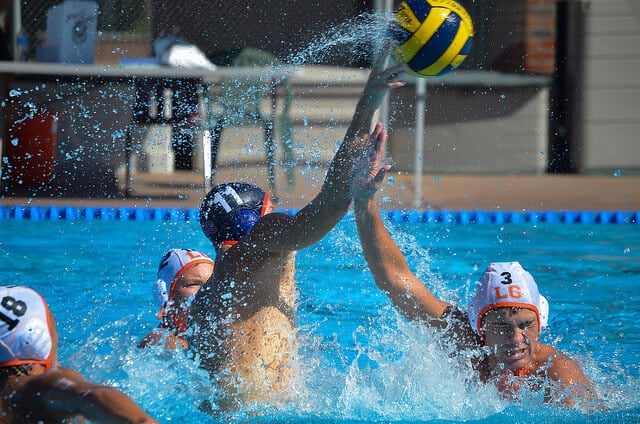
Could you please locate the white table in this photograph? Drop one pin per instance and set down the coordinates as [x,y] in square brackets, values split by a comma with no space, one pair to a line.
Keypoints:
[133,71]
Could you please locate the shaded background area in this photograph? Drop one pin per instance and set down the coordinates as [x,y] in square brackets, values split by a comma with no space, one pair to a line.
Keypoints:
[222,28]
[549,87]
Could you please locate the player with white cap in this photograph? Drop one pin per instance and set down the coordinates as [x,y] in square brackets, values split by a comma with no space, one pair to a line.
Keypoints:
[181,273]
[33,388]
[506,314]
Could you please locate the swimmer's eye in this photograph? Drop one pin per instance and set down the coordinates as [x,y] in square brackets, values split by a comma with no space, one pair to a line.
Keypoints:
[526,325]
[499,327]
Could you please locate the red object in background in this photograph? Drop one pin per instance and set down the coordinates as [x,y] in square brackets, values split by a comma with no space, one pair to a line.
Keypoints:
[31,149]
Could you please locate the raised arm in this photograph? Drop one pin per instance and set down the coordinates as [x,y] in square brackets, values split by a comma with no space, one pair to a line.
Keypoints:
[65,393]
[390,270]
[312,222]
[386,262]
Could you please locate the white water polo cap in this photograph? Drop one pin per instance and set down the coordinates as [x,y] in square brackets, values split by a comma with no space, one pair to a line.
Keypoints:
[25,328]
[174,263]
[504,285]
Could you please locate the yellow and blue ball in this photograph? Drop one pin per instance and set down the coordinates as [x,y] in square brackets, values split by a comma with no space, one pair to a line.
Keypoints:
[432,37]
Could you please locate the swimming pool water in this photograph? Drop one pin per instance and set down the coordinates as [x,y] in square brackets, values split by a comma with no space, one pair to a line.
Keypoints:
[363,362]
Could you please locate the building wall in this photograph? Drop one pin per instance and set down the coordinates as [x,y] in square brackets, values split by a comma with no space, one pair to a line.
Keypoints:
[611,116]
[474,123]
[282,27]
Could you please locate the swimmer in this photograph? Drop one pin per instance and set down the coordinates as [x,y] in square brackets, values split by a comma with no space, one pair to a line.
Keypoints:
[245,313]
[33,387]
[503,321]
[181,273]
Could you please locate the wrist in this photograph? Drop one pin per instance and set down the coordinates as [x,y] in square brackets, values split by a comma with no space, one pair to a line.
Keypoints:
[361,204]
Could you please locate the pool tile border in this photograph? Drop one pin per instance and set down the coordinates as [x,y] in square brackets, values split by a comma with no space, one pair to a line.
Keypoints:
[72,213]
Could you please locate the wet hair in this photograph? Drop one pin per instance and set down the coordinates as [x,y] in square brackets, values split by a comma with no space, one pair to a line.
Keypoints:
[230,210]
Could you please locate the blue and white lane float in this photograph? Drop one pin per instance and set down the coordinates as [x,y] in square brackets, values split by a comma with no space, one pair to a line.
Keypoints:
[87,213]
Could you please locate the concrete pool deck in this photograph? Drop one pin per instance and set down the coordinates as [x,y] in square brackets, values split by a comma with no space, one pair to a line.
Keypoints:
[183,189]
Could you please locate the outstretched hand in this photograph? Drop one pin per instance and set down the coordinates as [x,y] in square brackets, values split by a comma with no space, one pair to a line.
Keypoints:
[372,165]
[381,79]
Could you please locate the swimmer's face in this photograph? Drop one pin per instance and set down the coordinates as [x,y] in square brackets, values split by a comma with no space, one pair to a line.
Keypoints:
[270,207]
[512,334]
[191,280]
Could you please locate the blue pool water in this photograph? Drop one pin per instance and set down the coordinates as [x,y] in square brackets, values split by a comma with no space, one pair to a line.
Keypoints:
[363,362]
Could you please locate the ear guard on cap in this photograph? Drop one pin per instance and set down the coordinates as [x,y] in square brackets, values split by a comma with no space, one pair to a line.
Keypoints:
[160,293]
[34,341]
[243,221]
[543,308]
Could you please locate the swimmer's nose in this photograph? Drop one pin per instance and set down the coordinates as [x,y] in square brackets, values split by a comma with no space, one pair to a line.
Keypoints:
[518,335]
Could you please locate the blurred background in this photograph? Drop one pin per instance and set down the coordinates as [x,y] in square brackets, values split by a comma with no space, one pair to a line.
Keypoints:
[550,86]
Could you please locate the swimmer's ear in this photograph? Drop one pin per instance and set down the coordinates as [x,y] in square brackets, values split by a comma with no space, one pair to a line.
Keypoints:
[160,292]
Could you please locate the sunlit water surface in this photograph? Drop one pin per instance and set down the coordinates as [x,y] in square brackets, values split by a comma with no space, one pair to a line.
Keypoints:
[363,362]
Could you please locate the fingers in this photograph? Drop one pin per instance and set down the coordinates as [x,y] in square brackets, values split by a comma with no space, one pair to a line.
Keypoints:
[371,167]
[380,137]
[377,130]
[381,174]
[392,75]
[381,59]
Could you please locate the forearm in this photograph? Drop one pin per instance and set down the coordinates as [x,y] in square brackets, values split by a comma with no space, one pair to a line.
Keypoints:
[390,270]
[381,253]
[335,196]
[108,405]
[355,140]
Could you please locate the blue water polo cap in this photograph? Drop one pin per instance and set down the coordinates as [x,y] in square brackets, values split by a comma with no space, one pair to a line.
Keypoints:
[230,211]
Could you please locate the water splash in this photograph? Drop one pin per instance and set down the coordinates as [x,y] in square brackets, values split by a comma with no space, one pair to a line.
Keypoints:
[360,35]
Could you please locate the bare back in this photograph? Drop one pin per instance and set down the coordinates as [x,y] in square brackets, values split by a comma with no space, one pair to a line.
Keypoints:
[245,315]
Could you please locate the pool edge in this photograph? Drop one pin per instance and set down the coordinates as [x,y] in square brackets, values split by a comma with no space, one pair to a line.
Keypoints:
[89,213]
